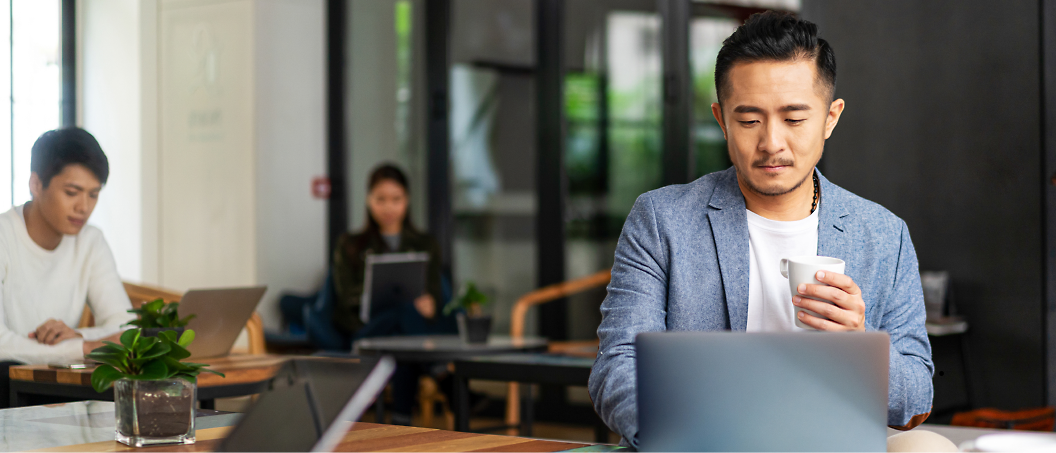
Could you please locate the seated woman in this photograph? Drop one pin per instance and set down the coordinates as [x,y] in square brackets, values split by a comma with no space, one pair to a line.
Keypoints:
[388,230]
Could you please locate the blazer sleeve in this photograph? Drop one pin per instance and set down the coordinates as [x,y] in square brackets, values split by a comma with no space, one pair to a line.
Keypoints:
[910,390]
[636,302]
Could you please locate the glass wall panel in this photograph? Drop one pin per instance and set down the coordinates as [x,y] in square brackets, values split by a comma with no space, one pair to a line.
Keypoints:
[705,39]
[613,109]
[493,151]
[384,106]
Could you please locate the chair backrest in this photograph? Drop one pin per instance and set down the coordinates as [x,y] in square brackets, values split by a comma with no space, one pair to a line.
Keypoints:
[551,293]
[140,294]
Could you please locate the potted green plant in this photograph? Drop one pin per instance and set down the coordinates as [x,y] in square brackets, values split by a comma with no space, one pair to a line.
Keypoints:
[473,325]
[157,316]
[154,391]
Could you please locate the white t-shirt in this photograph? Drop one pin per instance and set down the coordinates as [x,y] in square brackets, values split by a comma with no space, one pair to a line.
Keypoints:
[37,284]
[769,297]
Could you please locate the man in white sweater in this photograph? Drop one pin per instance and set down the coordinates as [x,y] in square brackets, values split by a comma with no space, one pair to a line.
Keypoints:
[52,263]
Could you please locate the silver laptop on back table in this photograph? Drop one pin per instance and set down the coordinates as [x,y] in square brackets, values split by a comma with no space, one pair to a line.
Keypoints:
[220,315]
[735,391]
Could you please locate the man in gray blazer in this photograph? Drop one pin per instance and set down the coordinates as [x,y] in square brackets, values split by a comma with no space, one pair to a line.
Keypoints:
[703,256]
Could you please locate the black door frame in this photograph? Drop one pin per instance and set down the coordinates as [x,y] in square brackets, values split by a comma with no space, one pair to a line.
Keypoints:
[551,182]
[1047,56]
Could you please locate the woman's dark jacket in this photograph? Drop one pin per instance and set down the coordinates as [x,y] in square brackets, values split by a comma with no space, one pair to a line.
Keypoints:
[350,257]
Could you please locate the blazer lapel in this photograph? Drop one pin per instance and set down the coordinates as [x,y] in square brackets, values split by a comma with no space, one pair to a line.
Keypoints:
[832,231]
[729,229]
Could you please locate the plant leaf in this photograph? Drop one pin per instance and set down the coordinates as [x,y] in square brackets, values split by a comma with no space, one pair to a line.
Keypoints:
[183,322]
[111,348]
[114,360]
[212,371]
[153,306]
[119,347]
[159,350]
[168,335]
[145,344]
[178,352]
[186,338]
[153,370]
[128,339]
[103,376]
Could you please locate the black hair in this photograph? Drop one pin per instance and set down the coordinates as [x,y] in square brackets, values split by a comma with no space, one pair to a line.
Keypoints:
[56,149]
[774,36]
[387,172]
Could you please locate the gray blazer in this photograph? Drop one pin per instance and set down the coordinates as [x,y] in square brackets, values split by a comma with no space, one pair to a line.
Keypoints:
[682,264]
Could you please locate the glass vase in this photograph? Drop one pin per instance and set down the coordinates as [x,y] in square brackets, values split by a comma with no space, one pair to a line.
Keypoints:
[155,412]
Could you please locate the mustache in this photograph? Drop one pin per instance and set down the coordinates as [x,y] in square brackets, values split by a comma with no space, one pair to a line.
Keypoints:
[780,162]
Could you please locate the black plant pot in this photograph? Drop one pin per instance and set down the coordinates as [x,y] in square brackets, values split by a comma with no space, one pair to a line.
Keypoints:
[474,329]
[154,331]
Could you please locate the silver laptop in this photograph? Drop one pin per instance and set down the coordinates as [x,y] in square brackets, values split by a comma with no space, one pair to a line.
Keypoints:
[727,391]
[220,315]
[310,405]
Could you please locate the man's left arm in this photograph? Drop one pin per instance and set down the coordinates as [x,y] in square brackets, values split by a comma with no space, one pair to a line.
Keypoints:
[106,294]
[910,390]
[910,387]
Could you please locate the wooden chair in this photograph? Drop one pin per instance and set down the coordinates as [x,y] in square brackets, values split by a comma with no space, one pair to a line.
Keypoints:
[520,312]
[140,295]
[428,395]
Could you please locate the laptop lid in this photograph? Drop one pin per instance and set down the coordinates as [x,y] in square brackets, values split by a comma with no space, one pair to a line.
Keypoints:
[220,315]
[309,405]
[735,391]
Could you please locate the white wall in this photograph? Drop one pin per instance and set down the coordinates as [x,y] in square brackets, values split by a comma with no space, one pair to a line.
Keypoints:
[232,205]
[291,147]
[206,154]
[109,108]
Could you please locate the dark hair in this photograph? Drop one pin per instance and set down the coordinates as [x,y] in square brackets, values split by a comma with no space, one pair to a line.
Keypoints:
[387,172]
[773,36]
[56,149]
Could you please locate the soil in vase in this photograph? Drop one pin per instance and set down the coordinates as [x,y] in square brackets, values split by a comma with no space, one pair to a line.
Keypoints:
[154,410]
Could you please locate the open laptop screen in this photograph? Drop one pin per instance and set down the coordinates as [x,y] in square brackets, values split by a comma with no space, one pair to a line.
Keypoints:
[305,403]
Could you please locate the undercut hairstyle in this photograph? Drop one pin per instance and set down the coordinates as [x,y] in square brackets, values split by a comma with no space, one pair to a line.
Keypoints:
[774,36]
[55,150]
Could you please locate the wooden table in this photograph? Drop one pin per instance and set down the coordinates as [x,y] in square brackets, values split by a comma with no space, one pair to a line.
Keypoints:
[363,437]
[245,375]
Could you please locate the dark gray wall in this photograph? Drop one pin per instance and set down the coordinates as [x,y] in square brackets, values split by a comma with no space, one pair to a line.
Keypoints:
[943,127]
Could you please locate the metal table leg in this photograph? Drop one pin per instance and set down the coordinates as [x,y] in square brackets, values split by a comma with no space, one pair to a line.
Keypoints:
[461,403]
[526,409]
[379,409]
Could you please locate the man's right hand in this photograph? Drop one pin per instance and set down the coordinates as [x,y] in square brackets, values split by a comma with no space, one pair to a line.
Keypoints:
[52,332]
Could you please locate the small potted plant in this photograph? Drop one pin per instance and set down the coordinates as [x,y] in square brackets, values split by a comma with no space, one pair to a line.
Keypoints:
[154,392]
[157,316]
[473,325]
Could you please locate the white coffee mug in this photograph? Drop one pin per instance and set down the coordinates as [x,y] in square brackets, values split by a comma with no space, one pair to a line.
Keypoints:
[804,269]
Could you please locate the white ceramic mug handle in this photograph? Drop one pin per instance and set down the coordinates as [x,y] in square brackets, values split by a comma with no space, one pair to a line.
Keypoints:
[784,267]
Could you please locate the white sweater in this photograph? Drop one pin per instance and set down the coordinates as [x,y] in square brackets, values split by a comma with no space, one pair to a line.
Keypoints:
[37,284]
